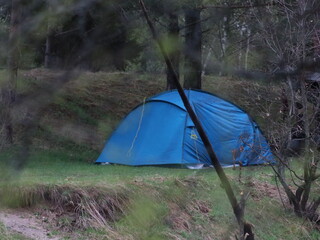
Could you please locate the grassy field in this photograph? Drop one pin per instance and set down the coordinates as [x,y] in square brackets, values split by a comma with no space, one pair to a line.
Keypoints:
[81,200]
[154,202]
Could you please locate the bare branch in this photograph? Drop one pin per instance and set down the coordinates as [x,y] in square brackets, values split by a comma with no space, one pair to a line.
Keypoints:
[273,3]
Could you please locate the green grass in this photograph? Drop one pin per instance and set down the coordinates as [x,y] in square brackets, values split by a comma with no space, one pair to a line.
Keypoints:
[77,166]
[166,187]
[56,167]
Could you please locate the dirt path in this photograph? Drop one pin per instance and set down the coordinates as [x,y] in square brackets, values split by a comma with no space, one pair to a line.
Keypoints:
[25,224]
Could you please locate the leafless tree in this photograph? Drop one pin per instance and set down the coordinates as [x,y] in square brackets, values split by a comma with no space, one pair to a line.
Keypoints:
[290,30]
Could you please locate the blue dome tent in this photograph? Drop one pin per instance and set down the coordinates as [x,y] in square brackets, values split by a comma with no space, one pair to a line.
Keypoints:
[160,132]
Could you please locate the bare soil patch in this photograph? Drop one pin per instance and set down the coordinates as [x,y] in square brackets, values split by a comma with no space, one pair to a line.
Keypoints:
[26,224]
[265,189]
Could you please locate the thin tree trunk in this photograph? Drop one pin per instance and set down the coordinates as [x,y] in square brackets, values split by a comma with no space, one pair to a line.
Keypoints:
[240,47]
[48,54]
[8,91]
[193,55]
[205,63]
[48,61]
[224,35]
[207,59]
[306,130]
[173,31]
[247,48]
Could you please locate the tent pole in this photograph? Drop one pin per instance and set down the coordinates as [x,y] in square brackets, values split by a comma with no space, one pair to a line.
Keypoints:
[237,209]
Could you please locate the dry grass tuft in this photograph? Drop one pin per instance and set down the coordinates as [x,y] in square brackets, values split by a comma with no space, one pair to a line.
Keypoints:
[74,207]
[199,207]
[92,207]
[265,189]
[179,219]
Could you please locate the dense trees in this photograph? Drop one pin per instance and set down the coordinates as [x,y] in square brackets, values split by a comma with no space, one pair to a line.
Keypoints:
[97,35]
[193,53]
[114,37]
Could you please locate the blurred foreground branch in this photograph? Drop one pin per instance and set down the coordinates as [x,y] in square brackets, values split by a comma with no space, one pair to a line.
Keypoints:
[8,90]
[238,209]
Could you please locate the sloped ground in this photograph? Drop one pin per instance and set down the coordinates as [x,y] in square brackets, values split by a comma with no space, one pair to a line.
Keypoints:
[157,206]
[89,105]
[158,203]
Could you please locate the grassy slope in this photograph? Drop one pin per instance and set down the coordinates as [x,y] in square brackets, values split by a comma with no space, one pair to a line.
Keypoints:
[168,203]
[189,204]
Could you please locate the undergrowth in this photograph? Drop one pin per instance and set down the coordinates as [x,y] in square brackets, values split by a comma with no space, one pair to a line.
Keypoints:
[193,206]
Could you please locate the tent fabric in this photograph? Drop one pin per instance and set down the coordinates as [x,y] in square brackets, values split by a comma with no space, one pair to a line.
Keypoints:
[160,132]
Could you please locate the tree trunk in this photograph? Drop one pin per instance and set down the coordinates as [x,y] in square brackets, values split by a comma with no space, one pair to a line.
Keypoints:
[224,33]
[8,91]
[205,62]
[48,53]
[173,30]
[247,48]
[242,29]
[193,37]
[48,56]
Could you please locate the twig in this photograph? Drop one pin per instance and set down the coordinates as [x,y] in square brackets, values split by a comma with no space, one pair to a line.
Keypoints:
[273,3]
[277,184]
